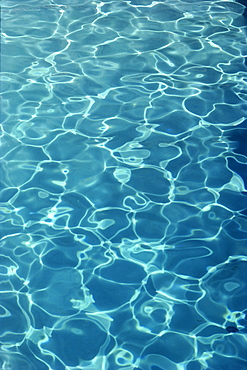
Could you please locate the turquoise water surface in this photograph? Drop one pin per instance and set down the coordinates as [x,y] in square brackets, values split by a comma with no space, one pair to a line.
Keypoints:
[123,228]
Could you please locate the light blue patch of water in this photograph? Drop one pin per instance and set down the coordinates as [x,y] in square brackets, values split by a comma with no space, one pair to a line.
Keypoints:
[123,188]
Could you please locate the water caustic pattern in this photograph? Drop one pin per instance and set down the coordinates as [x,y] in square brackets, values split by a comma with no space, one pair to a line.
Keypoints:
[123,210]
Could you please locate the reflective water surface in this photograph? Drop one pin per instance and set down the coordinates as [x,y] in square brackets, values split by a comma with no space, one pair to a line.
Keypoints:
[123,185]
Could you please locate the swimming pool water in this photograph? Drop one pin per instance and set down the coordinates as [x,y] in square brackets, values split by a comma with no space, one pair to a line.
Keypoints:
[123,185]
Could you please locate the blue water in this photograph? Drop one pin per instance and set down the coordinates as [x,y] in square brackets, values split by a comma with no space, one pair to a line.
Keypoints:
[123,207]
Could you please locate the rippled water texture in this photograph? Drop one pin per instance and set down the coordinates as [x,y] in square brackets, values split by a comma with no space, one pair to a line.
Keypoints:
[123,185]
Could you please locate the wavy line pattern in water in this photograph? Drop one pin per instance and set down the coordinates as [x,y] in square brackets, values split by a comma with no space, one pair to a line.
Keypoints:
[123,209]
